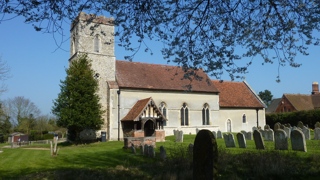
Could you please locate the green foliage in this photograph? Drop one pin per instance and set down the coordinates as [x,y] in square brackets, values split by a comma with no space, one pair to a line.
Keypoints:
[307,117]
[77,106]
[266,96]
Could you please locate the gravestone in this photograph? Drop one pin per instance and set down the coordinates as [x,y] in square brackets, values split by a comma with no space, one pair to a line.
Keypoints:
[197,130]
[254,128]
[300,125]
[141,149]
[268,135]
[306,132]
[298,141]
[281,140]
[205,156]
[241,140]
[151,152]
[229,140]
[214,134]
[163,153]
[276,126]
[146,150]
[219,134]
[263,133]
[248,135]
[288,131]
[258,140]
[317,125]
[179,136]
[266,127]
[133,149]
[190,150]
[317,133]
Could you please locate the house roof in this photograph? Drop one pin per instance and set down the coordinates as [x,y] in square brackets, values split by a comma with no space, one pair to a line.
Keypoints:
[237,94]
[300,101]
[138,75]
[273,105]
[138,109]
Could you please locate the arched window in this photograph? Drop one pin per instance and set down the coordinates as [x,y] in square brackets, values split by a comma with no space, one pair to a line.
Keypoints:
[184,113]
[205,114]
[163,109]
[96,43]
[244,118]
[229,125]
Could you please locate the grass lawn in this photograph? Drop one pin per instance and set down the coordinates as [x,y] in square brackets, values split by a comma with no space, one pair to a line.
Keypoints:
[109,160]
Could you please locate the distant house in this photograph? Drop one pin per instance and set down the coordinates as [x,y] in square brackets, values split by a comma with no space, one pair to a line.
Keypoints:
[297,102]
[18,136]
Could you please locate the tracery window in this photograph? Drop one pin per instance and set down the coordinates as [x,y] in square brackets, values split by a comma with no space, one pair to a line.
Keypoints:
[163,109]
[184,115]
[205,114]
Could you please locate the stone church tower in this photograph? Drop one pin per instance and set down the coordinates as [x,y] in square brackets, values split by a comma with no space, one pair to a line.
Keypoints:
[94,35]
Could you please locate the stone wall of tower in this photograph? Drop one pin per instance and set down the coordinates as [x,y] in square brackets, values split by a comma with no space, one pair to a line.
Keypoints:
[94,36]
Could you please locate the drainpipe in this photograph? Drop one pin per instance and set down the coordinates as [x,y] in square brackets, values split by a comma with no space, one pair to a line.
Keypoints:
[118,92]
[257,117]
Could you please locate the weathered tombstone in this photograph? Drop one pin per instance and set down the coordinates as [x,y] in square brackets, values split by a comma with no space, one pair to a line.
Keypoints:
[205,156]
[263,133]
[146,150]
[306,132]
[179,136]
[317,133]
[214,134]
[276,126]
[269,135]
[219,134]
[133,149]
[317,125]
[163,153]
[288,131]
[258,140]
[241,140]
[248,135]
[300,125]
[151,152]
[229,140]
[281,140]
[254,128]
[298,141]
[266,127]
[142,149]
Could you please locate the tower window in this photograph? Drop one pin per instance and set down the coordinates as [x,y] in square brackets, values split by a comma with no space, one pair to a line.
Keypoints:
[96,43]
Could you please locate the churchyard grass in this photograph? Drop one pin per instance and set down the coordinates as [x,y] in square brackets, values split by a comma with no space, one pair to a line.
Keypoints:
[109,160]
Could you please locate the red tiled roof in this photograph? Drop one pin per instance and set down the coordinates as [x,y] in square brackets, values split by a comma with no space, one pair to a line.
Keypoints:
[300,101]
[160,77]
[136,110]
[236,94]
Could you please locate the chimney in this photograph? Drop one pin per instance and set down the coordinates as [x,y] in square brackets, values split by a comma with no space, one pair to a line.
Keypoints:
[315,88]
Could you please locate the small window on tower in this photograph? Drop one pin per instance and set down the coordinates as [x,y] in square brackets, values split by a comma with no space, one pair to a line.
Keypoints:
[96,43]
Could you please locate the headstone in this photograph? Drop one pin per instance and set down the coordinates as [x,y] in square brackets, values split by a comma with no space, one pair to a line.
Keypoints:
[133,149]
[300,125]
[219,134]
[179,136]
[288,131]
[317,133]
[276,126]
[269,136]
[197,130]
[163,153]
[229,140]
[214,134]
[281,140]
[263,133]
[258,140]
[266,127]
[145,150]
[306,132]
[254,128]
[151,152]
[317,125]
[190,150]
[241,140]
[298,141]
[248,135]
[205,156]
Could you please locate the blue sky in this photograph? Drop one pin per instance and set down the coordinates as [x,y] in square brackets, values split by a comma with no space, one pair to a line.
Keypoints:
[37,66]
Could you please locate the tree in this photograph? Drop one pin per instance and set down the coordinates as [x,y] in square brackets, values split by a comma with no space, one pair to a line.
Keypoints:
[211,35]
[266,96]
[77,107]
[5,125]
[4,75]
[20,108]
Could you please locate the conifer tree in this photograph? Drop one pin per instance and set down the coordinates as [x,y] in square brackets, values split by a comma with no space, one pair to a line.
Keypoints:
[77,107]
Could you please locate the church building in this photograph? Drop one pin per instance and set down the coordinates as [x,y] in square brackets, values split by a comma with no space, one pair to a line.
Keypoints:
[144,99]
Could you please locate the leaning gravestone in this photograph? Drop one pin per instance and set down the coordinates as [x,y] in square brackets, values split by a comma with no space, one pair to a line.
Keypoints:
[281,140]
[219,134]
[258,140]
[241,140]
[163,153]
[306,132]
[298,141]
[317,133]
[205,155]
[229,140]
[268,135]
[288,131]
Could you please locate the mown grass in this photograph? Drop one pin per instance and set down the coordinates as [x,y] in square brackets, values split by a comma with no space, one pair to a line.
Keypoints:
[110,161]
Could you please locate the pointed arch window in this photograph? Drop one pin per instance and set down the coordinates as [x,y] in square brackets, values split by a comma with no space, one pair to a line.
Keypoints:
[184,114]
[96,43]
[163,109]
[244,118]
[205,114]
